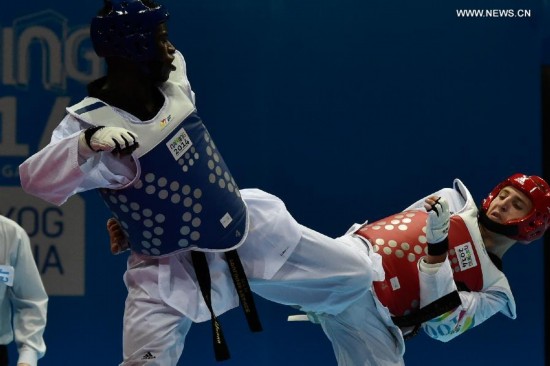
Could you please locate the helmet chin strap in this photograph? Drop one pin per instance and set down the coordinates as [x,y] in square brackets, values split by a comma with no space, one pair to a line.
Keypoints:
[509,230]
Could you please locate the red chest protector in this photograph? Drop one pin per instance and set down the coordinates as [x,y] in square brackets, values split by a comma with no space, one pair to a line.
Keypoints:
[401,241]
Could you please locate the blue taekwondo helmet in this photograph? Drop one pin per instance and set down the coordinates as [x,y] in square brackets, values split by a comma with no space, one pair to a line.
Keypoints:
[127,30]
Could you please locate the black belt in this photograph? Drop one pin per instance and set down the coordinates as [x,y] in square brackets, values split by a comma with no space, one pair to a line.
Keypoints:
[3,355]
[246,299]
[428,312]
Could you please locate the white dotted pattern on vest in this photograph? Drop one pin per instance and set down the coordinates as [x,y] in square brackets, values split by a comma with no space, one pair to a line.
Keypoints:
[217,175]
[185,195]
[399,222]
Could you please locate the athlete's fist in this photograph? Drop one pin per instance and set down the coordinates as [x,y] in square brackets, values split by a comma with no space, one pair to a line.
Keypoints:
[115,139]
[437,224]
[118,241]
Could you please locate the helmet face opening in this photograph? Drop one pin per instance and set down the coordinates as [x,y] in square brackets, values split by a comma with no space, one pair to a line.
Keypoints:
[126,29]
[532,226]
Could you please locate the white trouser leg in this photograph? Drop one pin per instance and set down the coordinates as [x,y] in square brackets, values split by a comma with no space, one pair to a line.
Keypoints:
[323,274]
[361,336]
[154,333]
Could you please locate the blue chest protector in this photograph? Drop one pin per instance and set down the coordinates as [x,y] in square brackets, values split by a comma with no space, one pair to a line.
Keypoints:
[185,197]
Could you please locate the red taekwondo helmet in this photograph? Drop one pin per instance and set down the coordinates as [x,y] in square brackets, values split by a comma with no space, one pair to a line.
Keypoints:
[126,28]
[534,224]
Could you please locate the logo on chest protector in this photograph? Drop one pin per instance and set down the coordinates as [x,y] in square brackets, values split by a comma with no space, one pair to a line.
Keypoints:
[164,122]
[179,144]
[465,256]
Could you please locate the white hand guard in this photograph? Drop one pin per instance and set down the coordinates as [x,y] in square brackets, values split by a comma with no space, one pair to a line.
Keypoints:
[110,139]
[437,227]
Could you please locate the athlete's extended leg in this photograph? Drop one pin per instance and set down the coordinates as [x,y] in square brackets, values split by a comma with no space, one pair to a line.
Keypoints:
[291,264]
[321,275]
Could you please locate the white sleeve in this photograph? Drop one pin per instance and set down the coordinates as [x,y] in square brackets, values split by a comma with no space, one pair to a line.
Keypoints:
[27,296]
[475,309]
[57,172]
[436,281]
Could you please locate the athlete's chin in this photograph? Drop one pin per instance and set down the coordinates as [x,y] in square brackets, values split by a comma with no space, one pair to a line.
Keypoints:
[161,78]
[165,74]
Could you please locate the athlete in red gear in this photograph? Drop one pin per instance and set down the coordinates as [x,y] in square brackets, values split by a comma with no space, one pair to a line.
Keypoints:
[440,268]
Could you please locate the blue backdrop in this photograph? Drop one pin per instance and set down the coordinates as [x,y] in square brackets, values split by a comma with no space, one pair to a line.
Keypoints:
[348,110]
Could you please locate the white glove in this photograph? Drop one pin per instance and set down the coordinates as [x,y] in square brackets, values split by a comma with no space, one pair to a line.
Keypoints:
[117,140]
[437,224]
[110,139]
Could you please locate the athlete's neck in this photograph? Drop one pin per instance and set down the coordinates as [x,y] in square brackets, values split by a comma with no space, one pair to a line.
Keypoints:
[141,99]
[495,243]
